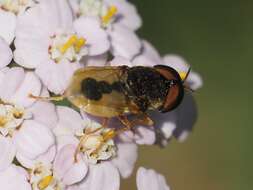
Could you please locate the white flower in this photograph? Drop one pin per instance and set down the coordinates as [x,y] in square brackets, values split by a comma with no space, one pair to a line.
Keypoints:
[41,177]
[91,144]
[9,12]
[127,14]
[55,44]
[24,136]
[58,173]
[118,18]
[110,12]
[150,179]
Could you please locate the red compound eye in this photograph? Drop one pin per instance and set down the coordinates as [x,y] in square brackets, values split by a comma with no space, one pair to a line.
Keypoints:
[176,89]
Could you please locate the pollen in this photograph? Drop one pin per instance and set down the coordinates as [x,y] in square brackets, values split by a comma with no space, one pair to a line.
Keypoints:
[79,44]
[110,14]
[45,182]
[18,114]
[75,42]
[182,75]
[3,121]
[71,41]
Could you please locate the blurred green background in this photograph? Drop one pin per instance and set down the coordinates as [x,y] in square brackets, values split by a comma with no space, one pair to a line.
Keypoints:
[216,38]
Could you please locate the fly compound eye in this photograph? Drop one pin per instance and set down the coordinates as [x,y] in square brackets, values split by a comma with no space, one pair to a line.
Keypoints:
[175,92]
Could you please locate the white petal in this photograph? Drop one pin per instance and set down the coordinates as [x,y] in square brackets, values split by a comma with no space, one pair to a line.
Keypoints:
[8,26]
[31,53]
[125,42]
[90,29]
[194,80]
[13,179]
[69,119]
[5,53]
[10,84]
[127,13]
[30,85]
[126,158]
[3,71]
[64,140]
[33,139]
[99,60]
[103,176]
[118,61]
[166,124]
[176,62]
[66,168]
[144,135]
[56,77]
[168,128]
[8,152]
[45,158]
[45,112]
[149,55]
[149,179]
[33,37]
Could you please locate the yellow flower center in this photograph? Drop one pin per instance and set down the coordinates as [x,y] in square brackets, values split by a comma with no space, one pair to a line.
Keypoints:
[182,75]
[3,121]
[68,47]
[96,143]
[45,182]
[112,11]
[73,41]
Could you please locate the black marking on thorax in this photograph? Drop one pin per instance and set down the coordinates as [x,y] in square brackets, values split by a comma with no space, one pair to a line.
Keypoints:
[146,86]
[94,90]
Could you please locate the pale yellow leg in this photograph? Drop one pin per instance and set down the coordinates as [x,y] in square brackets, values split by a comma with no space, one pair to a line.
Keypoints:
[55,98]
[85,136]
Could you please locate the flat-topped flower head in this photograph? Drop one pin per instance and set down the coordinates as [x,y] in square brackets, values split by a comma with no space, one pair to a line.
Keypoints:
[5,53]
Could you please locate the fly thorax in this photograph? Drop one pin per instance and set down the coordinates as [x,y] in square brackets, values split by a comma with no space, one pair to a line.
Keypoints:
[146,87]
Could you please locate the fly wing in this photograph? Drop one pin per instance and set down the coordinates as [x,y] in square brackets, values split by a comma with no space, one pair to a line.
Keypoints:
[93,99]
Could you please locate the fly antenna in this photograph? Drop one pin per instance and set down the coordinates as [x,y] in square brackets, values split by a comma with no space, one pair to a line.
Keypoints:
[188,89]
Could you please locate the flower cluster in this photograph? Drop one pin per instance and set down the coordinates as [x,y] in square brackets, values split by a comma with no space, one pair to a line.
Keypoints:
[45,146]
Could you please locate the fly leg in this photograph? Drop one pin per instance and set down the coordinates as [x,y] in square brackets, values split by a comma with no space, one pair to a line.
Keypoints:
[142,119]
[51,98]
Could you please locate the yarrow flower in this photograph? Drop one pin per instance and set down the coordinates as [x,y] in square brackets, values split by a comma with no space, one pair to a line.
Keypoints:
[48,145]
